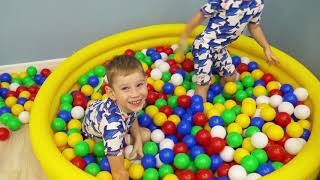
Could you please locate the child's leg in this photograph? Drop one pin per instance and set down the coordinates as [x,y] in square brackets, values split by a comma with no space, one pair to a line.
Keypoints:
[224,66]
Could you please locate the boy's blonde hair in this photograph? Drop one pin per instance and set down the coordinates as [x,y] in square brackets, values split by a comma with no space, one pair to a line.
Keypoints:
[122,65]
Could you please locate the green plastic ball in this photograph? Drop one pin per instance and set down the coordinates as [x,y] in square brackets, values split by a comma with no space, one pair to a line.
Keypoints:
[166,76]
[171,56]
[249,91]
[160,102]
[98,149]
[202,161]
[148,61]
[90,73]
[260,155]
[31,71]
[241,95]
[66,98]
[2,104]
[248,81]
[226,95]
[58,124]
[186,85]
[150,148]
[17,80]
[219,99]
[234,139]
[83,80]
[66,107]
[139,55]
[195,129]
[251,130]
[236,109]
[5,118]
[14,124]
[181,161]
[93,169]
[277,165]
[81,148]
[239,85]
[165,169]
[100,71]
[173,101]
[228,116]
[193,167]
[73,130]
[150,174]
[250,163]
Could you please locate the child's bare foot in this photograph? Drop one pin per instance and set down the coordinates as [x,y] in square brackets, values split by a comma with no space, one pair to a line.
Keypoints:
[202,91]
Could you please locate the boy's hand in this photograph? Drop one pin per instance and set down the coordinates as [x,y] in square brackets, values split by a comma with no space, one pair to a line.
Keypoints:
[271,59]
[137,149]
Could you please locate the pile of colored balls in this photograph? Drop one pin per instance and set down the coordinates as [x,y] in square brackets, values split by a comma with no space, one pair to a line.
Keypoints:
[243,130]
[17,93]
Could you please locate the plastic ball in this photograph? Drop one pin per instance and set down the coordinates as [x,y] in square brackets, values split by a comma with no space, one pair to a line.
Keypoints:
[202,161]
[184,127]
[189,140]
[267,77]
[268,114]
[301,112]
[169,127]
[17,109]
[60,139]
[234,127]
[276,152]
[218,131]
[203,136]
[159,118]
[165,170]
[275,100]
[157,136]
[301,93]
[166,143]
[227,154]
[170,177]
[150,174]
[77,112]
[253,176]
[234,139]
[181,161]
[262,100]
[176,79]
[156,74]
[259,140]
[179,91]
[230,88]
[150,148]
[4,133]
[228,116]
[294,130]
[104,175]
[304,123]
[148,161]
[68,153]
[14,124]
[184,101]
[286,107]
[92,169]
[136,171]
[250,163]
[237,172]
[93,81]
[251,130]
[168,88]
[157,85]
[293,146]
[243,120]
[79,162]
[166,155]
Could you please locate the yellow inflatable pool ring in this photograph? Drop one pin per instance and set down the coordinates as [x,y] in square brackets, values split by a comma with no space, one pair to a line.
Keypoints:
[305,165]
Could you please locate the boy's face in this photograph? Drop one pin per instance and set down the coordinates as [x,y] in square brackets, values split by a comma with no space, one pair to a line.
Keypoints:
[130,92]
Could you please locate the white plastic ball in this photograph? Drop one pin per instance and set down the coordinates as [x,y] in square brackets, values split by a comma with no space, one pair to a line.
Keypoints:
[245,60]
[164,56]
[77,112]
[286,107]
[218,131]
[13,86]
[156,74]
[174,46]
[144,51]
[301,93]
[262,99]
[127,151]
[166,143]
[135,161]
[158,63]
[157,135]
[227,154]
[194,78]
[164,67]
[302,111]
[259,140]
[190,92]
[275,100]
[253,176]
[176,79]
[302,141]
[159,163]
[293,146]
[24,117]
[237,172]
[257,113]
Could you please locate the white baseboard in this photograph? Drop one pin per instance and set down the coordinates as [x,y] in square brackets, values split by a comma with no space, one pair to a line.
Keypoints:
[22,67]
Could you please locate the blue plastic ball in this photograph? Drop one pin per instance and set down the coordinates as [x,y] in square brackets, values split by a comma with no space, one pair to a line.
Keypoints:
[290,97]
[22,100]
[155,56]
[89,159]
[222,178]
[265,169]
[286,88]
[216,162]
[196,99]
[189,140]
[178,111]
[196,107]
[210,96]
[65,115]
[5,77]
[184,127]
[188,117]
[258,122]
[166,155]
[259,82]
[104,165]
[144,120]
[93,81]
[306,134]
[172,137]
[195,151]
[236,60]
[216,88]
[216,121]
[152,126]
[150,51]
[148,161]
[168,88]
[252,66]
[37,78]
[182,72]
[4,109]
[3,92]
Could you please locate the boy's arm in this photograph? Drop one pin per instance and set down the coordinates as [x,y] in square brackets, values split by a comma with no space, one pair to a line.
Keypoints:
[135,132]
[117,167]
[257,33]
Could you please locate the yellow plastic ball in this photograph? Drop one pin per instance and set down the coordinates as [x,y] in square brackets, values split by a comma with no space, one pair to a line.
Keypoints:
[294,129]
[144,66]
[170,177]
[127,164]
[234,127]
[157,85]
[219,107]
[87,90]
[179,58]
[230,88]
[239,154]
[249,101]
[90,102]
[275,132]
[60,139]
[5,85]
[207,106]
[207,127]
[174,118]
[179,91]
[104,175]
[305,124]
[17,109]
[96,96]
[150,81]
[212,79]
[213,112]
[74,138]
[151,110]
[28,105]
[74,123]
[229,104]
[259,91]
[263,105]
[91,143]
[273,85]
[22,75]
[159,118]
[153,66]
[75,88]
[246,144]
[136,171]
[266,126]
[257,74]
[268,114]
[189,56]
[105,96]
[248,109]
[10,101]
[244,74]
[14,75]
[25,94]
[62,148]
[243,120]
[68,153]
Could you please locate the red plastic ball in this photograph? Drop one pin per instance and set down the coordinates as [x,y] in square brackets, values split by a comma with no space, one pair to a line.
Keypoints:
[171,62]
[276,152]
[152,97]
[204,174]
[80,102]
[163,96]
[180,148]
[12,94]
[200,119]
[79,162]
[4,133]
[276,92]
[32,96]
[20,89]
[179,137]
[78,95]
[283,140]
[186,175]
[160,49]
[242,67]
[267,77]
[270,143]
[148,71]
[33,89]
[166,109]
[169,127]
[45,72]
[104,88]
[287,157]
[168,50]
[188,65]
[184,101]
[223,170]
[283,119]
[129,52]
[150,88]
[173,68]
[203,137]
[215,146]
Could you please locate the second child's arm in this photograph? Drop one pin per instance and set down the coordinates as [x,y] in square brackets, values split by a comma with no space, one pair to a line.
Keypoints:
[135,132]
[117,167]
